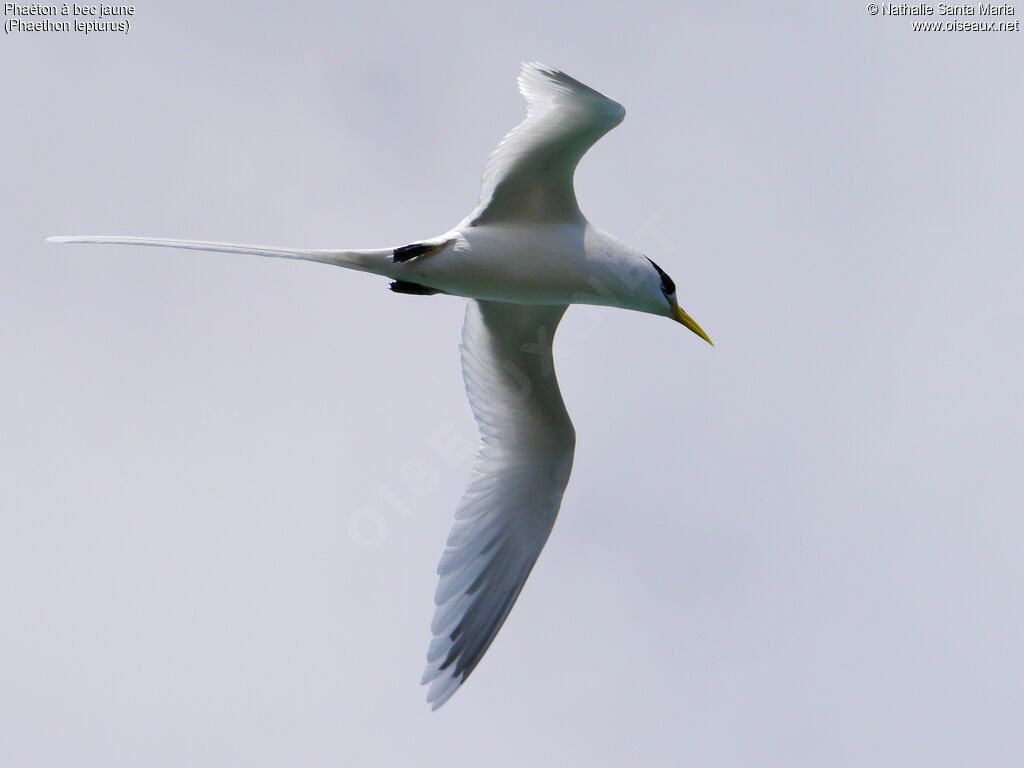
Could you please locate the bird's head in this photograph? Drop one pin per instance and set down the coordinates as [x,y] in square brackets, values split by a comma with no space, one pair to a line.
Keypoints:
[667,303]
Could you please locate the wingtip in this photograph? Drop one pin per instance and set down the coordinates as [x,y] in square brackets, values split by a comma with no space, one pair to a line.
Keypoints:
[537,65]
[540,83]
[441,690]
[531,69]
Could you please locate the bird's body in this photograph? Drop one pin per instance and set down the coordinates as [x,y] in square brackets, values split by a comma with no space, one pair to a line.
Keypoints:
[521,257]
[569,262]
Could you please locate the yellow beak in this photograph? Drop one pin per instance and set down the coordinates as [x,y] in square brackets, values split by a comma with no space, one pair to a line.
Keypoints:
[690,323]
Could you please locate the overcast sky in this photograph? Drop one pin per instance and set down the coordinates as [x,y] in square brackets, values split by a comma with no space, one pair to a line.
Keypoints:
[227,480]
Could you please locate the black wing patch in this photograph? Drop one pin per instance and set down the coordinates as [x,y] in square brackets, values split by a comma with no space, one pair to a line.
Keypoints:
[415,250]
[413,289]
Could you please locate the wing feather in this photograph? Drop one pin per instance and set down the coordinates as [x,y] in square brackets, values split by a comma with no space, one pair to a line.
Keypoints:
[529,175]
[515,488]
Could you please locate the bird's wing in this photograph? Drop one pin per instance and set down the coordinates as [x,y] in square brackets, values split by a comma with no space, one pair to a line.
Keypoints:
[520,472]
[529,174]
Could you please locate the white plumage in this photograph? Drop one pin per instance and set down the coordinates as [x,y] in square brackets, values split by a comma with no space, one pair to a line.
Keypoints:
[520,473]
[521,257]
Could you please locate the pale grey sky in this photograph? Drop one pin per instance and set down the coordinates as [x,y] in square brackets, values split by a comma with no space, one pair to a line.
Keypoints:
[227,480]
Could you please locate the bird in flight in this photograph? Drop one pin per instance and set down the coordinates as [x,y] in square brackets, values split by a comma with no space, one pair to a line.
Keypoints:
[522,256]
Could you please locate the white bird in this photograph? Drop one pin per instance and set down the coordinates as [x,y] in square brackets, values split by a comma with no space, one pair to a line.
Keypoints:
[520,258]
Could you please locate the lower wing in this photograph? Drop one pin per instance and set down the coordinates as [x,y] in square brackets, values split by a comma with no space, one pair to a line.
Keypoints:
[515,489]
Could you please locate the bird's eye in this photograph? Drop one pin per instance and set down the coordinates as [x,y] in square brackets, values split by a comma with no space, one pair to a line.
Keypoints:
[667,286]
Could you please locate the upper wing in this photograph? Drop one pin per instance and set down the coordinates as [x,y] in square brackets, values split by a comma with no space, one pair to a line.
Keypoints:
[529,175]
[515,489]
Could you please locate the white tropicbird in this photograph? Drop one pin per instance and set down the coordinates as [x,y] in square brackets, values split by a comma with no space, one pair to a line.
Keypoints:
[521,257]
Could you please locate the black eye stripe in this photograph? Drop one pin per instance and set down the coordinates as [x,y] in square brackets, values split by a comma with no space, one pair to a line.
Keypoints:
[666,282]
